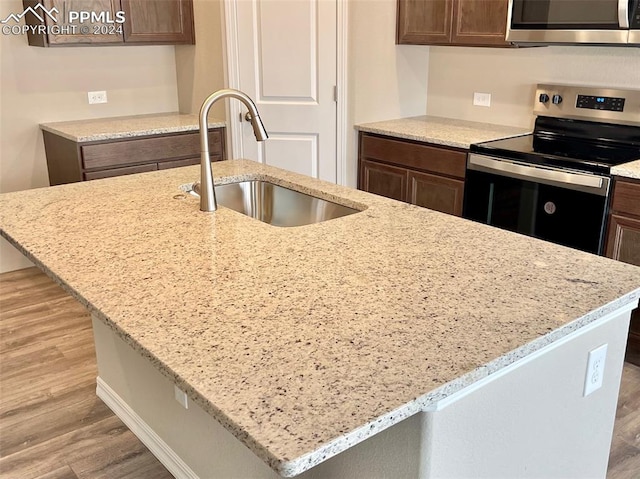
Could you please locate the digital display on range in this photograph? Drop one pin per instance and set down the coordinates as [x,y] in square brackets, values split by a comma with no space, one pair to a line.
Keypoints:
[600,103]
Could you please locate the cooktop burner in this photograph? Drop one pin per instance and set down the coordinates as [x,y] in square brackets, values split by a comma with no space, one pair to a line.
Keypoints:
[567,143]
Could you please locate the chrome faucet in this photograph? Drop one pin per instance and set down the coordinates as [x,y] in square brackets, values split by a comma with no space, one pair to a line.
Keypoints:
[207,192]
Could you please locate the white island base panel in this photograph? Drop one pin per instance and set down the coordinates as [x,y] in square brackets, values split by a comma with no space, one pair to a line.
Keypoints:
[529,420]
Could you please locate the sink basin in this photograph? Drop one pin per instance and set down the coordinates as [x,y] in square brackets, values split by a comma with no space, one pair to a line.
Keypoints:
[274,204]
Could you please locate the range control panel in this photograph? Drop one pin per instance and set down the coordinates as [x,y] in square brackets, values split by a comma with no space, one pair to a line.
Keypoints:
[600,103]
[588,103]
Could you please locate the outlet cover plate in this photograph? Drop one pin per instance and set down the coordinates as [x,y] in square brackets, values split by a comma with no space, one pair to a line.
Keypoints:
[595,369]
[181,397]
[482,99]
[97,97]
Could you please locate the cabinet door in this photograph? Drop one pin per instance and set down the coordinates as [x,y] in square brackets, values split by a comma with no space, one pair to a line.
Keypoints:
[436,192]
[480,22]
[623,243]
[87,32]
[384,180]
[424,22]
[158,21]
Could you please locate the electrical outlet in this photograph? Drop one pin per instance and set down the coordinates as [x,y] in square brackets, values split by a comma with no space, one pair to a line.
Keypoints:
[595,369]
[482,99]
[181,397]
[97,97]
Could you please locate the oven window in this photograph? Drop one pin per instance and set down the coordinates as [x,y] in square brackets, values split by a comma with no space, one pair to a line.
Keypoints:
[565,14]
[563,216]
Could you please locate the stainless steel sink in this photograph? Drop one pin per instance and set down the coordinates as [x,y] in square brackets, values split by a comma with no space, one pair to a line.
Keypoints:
[274,204]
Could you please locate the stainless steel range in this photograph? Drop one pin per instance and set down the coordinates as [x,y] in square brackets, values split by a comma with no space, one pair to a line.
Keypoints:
[555,184]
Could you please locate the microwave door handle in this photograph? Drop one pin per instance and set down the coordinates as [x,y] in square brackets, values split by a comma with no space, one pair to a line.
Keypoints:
[623,13]
[563,179]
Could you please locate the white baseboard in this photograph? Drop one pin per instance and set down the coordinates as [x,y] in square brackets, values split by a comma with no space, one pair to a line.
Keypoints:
[147,436]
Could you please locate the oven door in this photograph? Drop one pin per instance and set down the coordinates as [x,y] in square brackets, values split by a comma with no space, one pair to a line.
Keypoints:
[564,207]
[570,21]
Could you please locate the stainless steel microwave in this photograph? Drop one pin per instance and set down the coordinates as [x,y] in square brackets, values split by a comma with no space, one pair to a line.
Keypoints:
[597,22]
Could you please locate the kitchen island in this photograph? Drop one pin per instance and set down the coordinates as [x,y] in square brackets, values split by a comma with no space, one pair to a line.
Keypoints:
[394,342]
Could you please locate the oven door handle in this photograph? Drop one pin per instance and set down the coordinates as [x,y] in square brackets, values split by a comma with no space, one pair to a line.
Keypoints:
[593,184]
[623,13]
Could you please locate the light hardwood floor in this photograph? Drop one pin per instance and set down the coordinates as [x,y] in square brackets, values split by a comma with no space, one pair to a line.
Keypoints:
[52,425]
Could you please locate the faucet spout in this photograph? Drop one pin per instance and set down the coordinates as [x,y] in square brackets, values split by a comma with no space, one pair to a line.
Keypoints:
[207,192]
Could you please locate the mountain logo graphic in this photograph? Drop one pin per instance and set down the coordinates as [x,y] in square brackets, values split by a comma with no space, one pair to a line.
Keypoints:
[34,11]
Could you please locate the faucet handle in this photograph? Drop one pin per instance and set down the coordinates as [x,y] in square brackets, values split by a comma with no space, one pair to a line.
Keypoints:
[248,116]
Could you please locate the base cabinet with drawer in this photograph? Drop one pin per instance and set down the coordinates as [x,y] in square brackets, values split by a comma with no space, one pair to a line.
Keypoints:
[422,174]
[623,244]
[69,161]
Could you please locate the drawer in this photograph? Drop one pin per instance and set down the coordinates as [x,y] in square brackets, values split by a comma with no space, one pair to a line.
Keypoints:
[127,170]
[147,150]
[165,165]
[626,197]
[420,156]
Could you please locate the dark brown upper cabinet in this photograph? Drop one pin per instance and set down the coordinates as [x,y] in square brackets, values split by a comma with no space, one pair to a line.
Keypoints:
[452,22]
[158,21]
[146,22]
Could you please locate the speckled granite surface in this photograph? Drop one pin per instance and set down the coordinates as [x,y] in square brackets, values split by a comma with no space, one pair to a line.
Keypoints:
[127,126]
[442,131]
[305,341]
[628,170]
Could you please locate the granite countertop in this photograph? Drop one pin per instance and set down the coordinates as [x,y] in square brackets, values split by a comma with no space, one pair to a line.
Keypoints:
[442,131]
[628,170]
[127,126]
[305,341]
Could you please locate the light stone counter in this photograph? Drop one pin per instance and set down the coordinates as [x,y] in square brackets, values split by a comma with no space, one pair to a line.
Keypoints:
[126,126]
[305,341]
[628,170]
[442,131]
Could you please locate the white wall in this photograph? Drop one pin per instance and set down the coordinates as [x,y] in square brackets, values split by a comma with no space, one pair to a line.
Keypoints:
[385,80]
[50,84]
[200,69]
[510,75]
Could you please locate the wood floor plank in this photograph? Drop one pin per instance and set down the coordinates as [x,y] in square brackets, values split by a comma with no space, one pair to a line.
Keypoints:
[133,463]
[63,473]
[27,426]
[52,424]
[107,437]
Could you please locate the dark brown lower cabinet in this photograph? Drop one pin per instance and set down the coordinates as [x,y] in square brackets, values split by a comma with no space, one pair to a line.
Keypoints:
[623,244]
[436,192]
[383,180]
[69,161]
[422,174]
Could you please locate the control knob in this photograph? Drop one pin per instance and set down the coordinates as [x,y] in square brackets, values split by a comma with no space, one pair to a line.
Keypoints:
[557,99]
[544,98]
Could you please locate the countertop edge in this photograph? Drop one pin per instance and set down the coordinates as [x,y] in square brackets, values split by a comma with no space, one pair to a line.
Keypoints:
[627,170]
[408,136]
[431,129]
[126,129]
[429,401]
